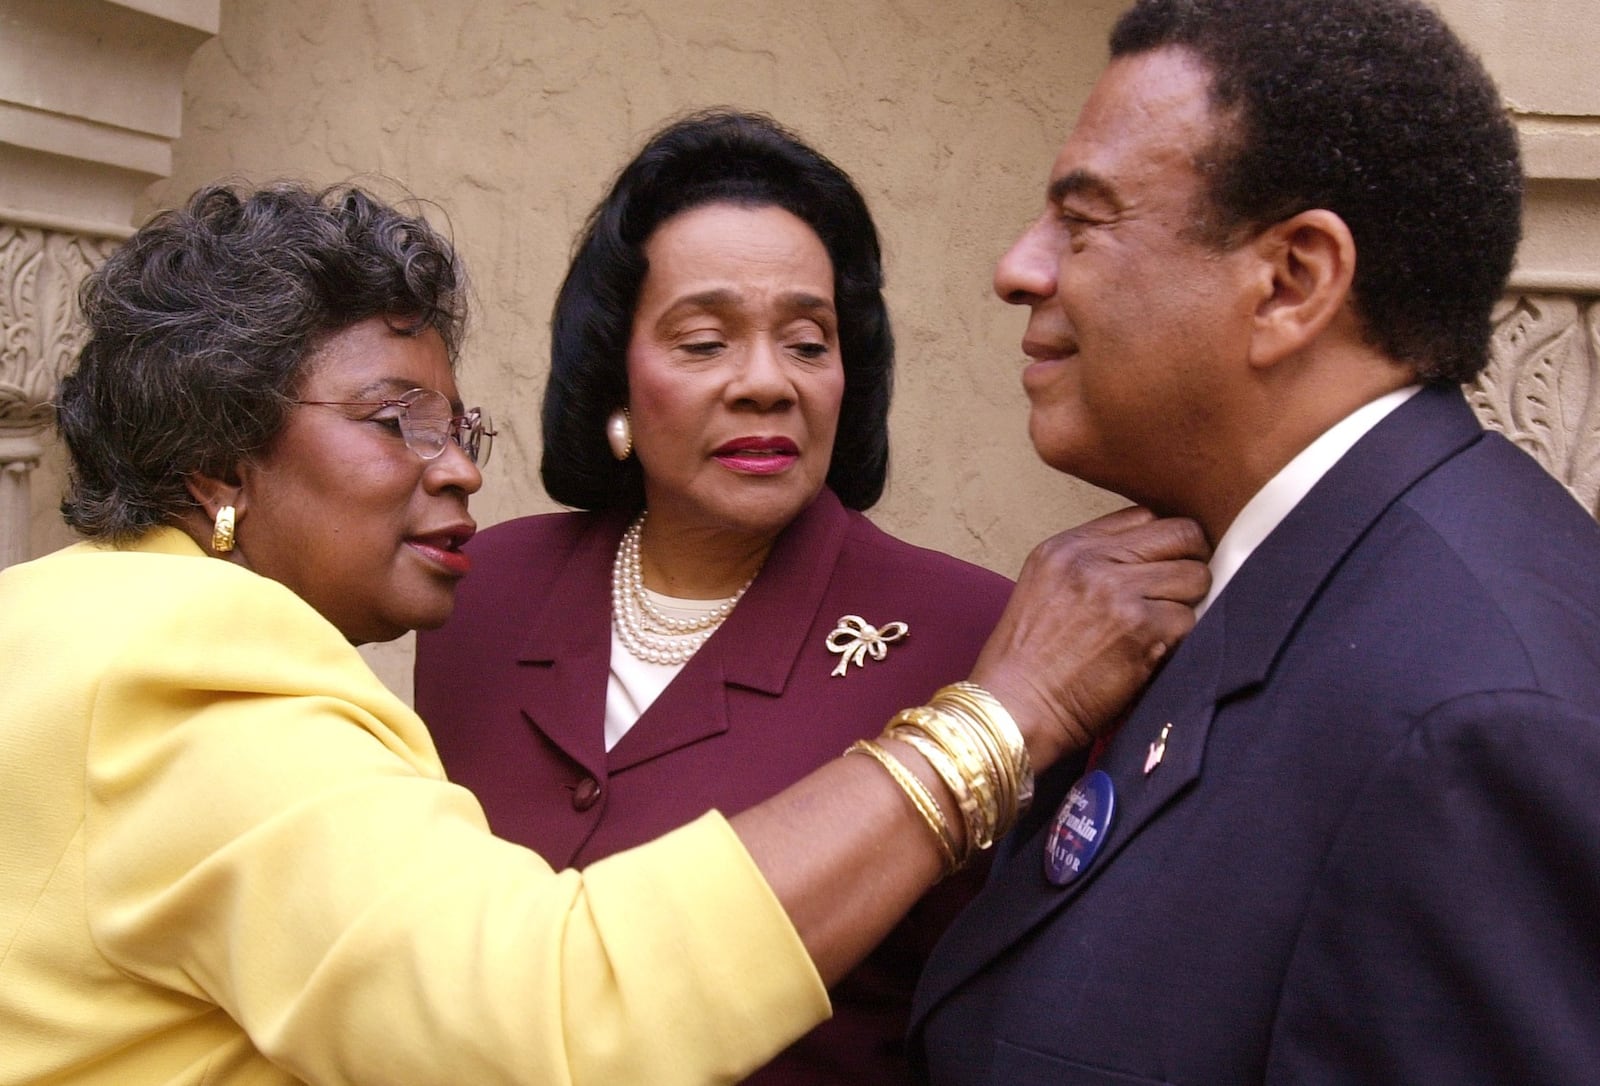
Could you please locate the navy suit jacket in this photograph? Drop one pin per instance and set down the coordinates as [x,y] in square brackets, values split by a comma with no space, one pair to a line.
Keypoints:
[513,689]
[1371,852]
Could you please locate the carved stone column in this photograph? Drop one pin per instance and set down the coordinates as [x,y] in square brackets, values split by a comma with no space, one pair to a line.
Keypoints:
[39,275]
[91,94]
[1542,387]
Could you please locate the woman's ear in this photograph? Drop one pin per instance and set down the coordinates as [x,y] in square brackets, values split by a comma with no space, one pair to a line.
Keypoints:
[1311,261]
[222,504]
[212,493]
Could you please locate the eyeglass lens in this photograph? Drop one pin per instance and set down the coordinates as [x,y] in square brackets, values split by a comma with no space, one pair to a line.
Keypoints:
[427,422]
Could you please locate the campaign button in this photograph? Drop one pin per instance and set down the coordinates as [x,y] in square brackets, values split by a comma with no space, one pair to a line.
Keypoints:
[1079,827]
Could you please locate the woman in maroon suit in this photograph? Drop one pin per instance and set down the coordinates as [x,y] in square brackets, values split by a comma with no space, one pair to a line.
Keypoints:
[721,619]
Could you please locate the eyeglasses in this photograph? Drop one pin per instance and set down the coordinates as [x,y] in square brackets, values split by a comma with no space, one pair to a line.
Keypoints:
[427,423]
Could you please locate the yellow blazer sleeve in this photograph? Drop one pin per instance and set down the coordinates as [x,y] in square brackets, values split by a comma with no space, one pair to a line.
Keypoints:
[269,830]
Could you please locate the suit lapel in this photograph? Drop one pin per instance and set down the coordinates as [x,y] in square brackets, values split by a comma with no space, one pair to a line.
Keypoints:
[1229,652]
[693,708]
[563,664]
[755,649]
[1018,896]
[1274,589]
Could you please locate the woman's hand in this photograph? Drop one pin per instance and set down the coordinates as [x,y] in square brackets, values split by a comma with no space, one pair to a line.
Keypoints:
[1094,611]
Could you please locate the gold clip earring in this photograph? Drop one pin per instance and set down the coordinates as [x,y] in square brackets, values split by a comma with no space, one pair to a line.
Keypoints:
[222,533]
[619,433]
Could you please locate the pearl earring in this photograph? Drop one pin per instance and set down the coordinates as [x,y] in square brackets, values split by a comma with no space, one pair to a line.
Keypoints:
[619,434]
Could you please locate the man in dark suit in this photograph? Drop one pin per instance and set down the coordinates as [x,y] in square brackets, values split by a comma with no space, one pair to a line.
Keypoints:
[1350,832]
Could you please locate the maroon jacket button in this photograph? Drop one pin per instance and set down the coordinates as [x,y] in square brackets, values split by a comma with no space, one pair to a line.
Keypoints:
[586,795]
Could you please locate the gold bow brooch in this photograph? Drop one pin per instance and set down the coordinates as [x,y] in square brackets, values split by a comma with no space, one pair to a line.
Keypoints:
[854,639]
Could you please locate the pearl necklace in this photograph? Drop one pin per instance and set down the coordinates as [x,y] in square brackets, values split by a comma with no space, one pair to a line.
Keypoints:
[642,627]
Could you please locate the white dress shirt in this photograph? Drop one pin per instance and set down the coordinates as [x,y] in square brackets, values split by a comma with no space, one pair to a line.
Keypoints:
[1266,510]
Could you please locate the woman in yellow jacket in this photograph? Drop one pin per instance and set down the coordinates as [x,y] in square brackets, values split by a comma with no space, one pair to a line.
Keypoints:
[231,856]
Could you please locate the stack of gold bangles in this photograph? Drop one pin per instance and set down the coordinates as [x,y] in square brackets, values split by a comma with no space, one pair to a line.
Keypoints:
[977,750]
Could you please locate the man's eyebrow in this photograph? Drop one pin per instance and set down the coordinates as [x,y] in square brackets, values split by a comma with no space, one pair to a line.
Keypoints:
[1083,183]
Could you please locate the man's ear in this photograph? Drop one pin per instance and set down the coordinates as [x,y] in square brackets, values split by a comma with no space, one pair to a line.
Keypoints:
[1310,260]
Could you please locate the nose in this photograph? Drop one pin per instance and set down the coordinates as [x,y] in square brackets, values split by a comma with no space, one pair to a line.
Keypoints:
[1026,274]
[452,469]
[763,378]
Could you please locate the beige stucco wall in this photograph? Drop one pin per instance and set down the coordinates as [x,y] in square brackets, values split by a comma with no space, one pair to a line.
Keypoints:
[513,116]
[1542,54]
[91,100]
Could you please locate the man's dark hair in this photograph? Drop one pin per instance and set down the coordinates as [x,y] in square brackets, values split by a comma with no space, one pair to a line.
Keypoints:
[711,157]
[1376,111]
[201,325]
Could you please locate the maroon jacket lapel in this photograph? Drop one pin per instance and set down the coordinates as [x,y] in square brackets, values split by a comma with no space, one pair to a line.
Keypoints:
[569,638]
[755,648]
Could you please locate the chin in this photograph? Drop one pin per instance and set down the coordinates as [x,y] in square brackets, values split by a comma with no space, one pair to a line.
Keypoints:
[381,628]
[754,512]
[1059,458]
[433,621]
[1066,449]
[769,528]
[374,634]
[425,604]
[431,615]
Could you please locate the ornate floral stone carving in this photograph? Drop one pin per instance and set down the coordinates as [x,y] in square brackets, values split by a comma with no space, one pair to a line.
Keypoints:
[40,271]
[1542,386]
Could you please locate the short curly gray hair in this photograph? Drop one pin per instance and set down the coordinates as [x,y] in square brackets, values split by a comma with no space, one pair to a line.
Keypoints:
[200,327]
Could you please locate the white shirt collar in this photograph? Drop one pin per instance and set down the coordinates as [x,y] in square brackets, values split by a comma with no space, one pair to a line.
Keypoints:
[1283,491]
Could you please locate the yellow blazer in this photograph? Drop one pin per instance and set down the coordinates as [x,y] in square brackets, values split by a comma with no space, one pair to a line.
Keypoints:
[230,856]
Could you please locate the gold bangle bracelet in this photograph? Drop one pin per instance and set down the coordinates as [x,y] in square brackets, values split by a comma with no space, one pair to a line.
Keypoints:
[974,746]
[1001,729]
[917,793]
[964,780]
[982,748]
[945,767]
[998,719]
[985,809]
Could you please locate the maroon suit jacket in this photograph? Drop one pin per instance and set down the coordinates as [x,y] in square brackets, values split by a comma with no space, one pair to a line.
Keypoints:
[514,687]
